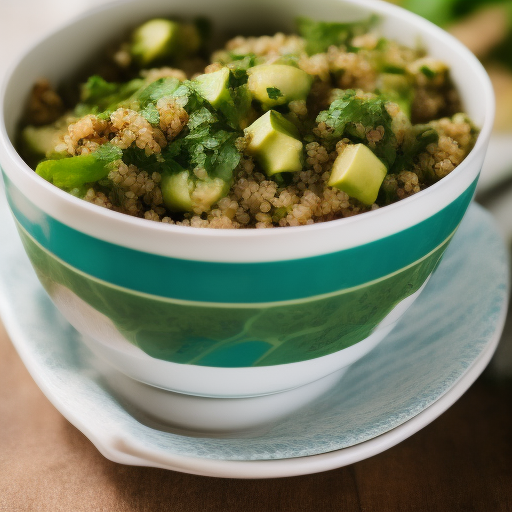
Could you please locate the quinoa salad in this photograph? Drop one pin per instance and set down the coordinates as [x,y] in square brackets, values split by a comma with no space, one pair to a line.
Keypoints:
[277,130]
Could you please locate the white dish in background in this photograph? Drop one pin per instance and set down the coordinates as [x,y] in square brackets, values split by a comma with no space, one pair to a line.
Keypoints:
[414,375]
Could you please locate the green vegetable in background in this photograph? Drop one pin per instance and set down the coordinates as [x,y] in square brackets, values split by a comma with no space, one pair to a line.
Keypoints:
[446,12]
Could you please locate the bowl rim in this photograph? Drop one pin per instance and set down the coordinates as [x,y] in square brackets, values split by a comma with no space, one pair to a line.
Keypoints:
[382,8]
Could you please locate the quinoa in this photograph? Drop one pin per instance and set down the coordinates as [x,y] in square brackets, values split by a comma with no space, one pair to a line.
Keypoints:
[164,132]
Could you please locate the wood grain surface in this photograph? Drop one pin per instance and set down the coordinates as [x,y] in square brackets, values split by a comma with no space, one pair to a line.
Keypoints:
[462,461]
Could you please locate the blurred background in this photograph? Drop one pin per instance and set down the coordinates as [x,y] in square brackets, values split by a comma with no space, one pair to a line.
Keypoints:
[485,26]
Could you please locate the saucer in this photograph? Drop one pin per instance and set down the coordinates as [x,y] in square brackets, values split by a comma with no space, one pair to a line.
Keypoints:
[428,361]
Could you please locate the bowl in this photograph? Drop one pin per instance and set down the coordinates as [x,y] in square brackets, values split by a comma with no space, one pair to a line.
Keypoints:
[219,313]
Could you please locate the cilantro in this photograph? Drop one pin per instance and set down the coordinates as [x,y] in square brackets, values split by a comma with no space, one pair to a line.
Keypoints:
[319,35]
[201,117]
[208,143]
[188,97]
[236,111]
[150,113]
[156,90]
[422,136]
[274,93]
[108,152]
[96,89]
[208,148]
[429,73]
[97,95]
[392,69]
[352,117]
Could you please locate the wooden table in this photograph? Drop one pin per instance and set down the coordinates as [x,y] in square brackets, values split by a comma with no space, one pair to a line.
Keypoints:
[462,461]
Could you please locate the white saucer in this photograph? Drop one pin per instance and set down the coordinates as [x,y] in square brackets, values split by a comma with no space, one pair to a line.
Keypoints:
[431,358]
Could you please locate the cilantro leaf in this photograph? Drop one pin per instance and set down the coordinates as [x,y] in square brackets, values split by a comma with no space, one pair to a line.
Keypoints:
[352,117]
[422,136]
[319,35]
[97,95]
[156,90]
[274,93]
[429,73]
[150,113]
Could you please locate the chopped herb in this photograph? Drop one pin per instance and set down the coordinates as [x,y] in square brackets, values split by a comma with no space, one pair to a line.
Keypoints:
[429,73]
[394,70]
[353,117]
[97,95]
[319,35]
[274,93]
[150,113]
[156,90]
[423,136]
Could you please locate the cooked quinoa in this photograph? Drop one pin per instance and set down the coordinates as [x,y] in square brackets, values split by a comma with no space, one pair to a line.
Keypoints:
[165,147]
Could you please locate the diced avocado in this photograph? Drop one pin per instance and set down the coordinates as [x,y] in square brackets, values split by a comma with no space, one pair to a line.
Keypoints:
[278,84]
[182,193]
[74,172]
[40,141]
[274,142]
[359,173]
[208,192]
[176,190]
[214,87]
[160,38]
[153,40]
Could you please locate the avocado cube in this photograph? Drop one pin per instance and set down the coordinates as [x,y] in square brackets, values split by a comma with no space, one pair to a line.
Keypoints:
[40,141]
[214,87]
[274,142]
[182,193]
[278,84]
[154,40]
[76,171]
[359,173]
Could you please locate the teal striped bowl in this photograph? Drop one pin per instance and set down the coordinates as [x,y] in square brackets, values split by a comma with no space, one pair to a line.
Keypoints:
[234,313]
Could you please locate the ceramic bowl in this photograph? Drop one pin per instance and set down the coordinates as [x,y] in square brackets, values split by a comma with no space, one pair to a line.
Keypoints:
[242,313]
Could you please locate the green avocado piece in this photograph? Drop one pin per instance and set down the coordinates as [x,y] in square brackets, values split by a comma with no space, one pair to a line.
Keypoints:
[153,40]
[182,193]
[176,190]
[274,142]
[160,38]
[40,141]
[214,87]
[74,172]
[278,84]
[359,173]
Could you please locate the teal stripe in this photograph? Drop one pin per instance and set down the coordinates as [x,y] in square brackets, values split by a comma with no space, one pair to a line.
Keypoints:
[241,282]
